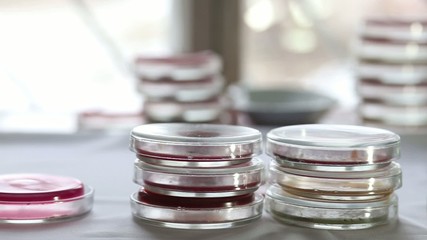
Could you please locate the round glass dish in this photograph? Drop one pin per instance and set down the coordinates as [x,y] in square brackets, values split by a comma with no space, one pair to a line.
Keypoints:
[195,142]
[188,91]
[185,67]
[338,186]
[200,182]
[392,95]
[196,213]
[314,146]
[410,116]
[194,112]
[330,215]
[39,198]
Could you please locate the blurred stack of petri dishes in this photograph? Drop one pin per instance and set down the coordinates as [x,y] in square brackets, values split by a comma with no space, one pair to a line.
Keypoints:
[197,176]
[334,177]
[392,73]
[182,88]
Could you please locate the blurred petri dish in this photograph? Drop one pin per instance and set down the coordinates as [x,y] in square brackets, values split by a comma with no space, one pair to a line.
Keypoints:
[200,182]
[188,91]
[192,112]
[407,95]
[195,142]
[404,116]
[38,198]
[296,210]
[338,186]
[185,67]
[196,213]
[324,146]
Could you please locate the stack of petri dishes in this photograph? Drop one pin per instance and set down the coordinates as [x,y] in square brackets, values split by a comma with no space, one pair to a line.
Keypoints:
[333,176]
[392,72]
[197,176]
[182,88]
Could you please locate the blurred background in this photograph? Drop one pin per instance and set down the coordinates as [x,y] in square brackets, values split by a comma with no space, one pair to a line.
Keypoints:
[92,65]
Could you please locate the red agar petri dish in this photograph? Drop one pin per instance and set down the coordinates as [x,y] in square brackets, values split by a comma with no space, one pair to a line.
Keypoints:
[196,213]
[33,198]
[200,182]
[195,143]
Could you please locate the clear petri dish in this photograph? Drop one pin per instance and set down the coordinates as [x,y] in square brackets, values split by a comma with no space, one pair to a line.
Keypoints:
[39,198]
[406,95]
[188,91]
[338,186]
[296,210]
[392,74]
[410,116]
[195,142]
[193,112]
[185,67]
[200,182]
[196,213]
[324,146]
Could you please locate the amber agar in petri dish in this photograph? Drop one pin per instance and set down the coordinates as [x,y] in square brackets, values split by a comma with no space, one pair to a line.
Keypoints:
[338,186]
[38,198]
[196,213]
[332,147]
[200,182]
[297,210]
[195,142]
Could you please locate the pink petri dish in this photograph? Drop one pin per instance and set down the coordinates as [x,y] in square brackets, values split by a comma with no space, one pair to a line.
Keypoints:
[201,143]
[196,213]
[333,147]
[228,181]
[38,198]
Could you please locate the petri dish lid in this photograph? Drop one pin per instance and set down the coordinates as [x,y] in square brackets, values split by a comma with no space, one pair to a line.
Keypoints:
[36,198]
[188,142]
[333,144]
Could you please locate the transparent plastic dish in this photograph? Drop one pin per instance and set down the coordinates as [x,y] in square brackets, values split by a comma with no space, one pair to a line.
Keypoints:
[196,213]
[195,142]
[296,210]
[406,95]
[316,146]
[194,112]
[338,186]
[392,74]
[189,91]
[185,67]
[39,198]
[200,182]
[413,116]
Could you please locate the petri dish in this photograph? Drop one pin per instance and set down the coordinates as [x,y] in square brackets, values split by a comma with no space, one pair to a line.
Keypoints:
[410,116]
[331,147]
[338,186]
[194,112]
[196,213]
[296,210]
[38,198]
[185,91]
[181,67]
[195,142]
[200,182]
[403,96]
